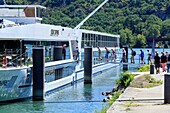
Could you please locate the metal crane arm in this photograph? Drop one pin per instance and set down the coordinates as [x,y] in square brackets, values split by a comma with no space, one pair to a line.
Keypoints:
[82,22]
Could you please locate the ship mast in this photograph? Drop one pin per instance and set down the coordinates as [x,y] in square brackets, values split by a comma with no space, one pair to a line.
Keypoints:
[82,22]
[75,32]
[4,2]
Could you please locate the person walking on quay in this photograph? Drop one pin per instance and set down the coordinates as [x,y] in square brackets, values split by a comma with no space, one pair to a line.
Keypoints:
[168,62]
[123,55]
[142,57]
[149,57]
[107,54]
[99,53]
[133,53]
[163,61]
[113,55]
[157,63]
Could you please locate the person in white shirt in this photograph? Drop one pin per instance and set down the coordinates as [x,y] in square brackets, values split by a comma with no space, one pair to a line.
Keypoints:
[149,57]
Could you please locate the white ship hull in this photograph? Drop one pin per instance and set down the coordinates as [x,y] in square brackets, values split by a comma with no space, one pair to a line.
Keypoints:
[15,83]
[12,82]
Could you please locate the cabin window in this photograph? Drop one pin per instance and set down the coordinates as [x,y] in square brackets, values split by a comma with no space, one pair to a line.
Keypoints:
[83,35]
[98,40]
[39,12]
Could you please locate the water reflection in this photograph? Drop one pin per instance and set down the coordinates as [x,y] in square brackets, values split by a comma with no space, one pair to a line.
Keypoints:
[38,106]
[88,92]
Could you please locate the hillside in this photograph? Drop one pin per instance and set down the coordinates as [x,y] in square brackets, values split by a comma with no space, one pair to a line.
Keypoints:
[134,20]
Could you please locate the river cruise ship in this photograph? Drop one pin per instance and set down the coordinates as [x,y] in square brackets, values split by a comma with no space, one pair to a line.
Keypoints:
[21,30]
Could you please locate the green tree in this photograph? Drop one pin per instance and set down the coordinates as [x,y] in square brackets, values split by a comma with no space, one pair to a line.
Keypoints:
[131,21]
[140,41]
[126,37]
[99,28]
[166,28]
[154,31]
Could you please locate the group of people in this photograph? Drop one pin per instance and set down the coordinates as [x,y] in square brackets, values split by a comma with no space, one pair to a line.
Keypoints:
[162,61]
[141,55]
[159,61]
[113,54]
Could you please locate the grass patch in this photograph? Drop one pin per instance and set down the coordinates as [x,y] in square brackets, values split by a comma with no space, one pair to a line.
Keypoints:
[145,81]
[114,97]
[125,79]
[144,68]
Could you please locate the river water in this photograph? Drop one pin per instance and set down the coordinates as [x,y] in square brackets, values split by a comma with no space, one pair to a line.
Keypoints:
[77,98]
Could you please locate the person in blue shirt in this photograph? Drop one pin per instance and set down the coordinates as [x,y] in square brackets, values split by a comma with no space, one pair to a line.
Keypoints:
[107,54]
[142,57]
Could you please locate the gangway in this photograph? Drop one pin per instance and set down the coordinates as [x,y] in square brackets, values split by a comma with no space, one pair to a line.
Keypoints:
[103,60]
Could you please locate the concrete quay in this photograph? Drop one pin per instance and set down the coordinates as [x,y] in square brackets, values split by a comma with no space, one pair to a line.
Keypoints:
[142,100]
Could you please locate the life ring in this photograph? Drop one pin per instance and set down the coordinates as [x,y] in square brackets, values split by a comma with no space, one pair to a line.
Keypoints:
[4,62]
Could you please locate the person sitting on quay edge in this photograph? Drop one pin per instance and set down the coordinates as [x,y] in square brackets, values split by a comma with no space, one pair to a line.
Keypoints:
[163,61]
[157,63]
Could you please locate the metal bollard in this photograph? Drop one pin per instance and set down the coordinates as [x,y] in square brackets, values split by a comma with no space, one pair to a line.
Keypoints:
[152,69]
[38,73]
[88,65]
[125,67]
[166,88]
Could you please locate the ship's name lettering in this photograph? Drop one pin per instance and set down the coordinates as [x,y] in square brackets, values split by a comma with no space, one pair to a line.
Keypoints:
[54,32]
[4,82]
